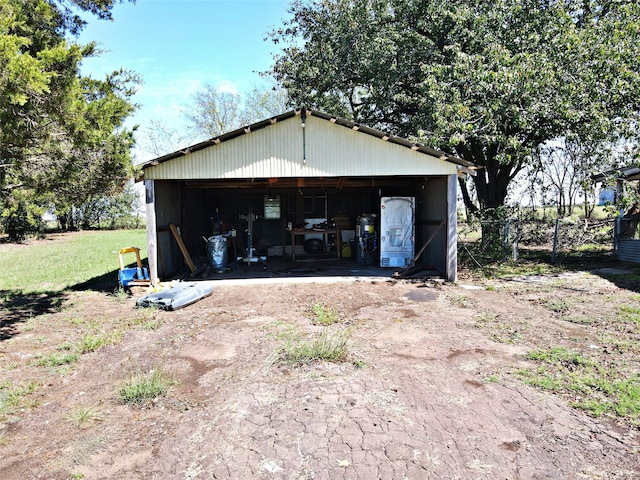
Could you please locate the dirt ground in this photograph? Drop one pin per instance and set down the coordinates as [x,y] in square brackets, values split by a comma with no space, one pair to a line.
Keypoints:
[428,390]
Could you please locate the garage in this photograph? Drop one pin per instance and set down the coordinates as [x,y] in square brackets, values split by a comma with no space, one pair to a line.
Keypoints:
[302,186]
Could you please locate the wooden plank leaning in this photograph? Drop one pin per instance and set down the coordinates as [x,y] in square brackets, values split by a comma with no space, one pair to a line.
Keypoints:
[183,249]
[410,269]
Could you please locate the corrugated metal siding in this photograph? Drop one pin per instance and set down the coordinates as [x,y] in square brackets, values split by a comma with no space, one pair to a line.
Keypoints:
[278,151]
[629,250]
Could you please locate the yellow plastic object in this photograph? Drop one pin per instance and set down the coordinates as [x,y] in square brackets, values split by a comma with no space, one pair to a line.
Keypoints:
[134,276]
[135,250]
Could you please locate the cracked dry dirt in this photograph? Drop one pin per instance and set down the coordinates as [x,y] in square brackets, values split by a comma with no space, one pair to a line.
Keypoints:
[426,394]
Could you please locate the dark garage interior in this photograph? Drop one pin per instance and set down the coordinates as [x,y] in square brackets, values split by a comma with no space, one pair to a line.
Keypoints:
[277,206]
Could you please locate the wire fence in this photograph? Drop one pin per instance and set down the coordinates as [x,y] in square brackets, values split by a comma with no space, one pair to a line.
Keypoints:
[486,241]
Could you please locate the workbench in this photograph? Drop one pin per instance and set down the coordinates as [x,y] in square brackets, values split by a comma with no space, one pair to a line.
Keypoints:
[325,236]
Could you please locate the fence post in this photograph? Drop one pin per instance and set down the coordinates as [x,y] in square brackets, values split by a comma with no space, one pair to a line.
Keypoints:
[515,241]
[555,240]
[505,239]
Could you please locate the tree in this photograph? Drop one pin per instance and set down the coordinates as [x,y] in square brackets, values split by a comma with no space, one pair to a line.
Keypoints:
[113,211]
[159,138]
[61,135]
[488,81]
[215,111]
[261,103]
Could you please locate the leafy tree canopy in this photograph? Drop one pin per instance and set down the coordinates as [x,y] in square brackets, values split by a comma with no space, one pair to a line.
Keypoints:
[215,111]
[61,135]
[489,81]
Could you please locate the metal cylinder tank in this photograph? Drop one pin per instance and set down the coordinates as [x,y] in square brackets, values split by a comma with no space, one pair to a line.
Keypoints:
[217,252]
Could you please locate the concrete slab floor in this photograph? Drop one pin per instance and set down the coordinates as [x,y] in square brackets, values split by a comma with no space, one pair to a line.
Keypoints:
[308,267]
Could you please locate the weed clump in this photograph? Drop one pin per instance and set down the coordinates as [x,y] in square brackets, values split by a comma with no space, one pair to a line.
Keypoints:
[83,415]
[141,388]
[323,315]
[329,347]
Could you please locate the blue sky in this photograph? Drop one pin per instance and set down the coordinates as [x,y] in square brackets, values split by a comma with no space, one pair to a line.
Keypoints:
[179,45]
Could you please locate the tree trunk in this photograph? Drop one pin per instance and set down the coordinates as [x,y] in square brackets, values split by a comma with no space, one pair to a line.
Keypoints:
[492,181]
[492,186]
[471,207]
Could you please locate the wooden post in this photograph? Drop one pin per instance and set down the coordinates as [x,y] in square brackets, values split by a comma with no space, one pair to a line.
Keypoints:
[555,241]
[451,228]
[152,234]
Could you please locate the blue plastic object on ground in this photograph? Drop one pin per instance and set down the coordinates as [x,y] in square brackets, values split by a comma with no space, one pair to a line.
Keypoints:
[131,276]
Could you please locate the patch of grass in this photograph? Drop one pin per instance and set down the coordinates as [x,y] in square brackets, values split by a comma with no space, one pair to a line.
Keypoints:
[142,388]
[281,330]
[627,393]
[15,397]
[498,330]
[84,415]
[461,301]
[558,306]
[560,356]
[329,347]
[592,248]
[324,315]
[629,313]
[151,325]
[580,319]
[522,267]
[66,260]
[541,377]
[491,379]
[589,385]
[91,343]
[630,280]
[56,359]
[121,294]
[146,318]
[359,364]
[616,344]
[506,333]
[484,318]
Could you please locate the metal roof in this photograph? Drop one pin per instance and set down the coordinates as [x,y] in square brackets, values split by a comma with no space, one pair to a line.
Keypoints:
[625,173]
[461,163]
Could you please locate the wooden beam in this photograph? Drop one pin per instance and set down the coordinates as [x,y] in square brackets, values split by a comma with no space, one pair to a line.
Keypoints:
[183,249]
[309,182]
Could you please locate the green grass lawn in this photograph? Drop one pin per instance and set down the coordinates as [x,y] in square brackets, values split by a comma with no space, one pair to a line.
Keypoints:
[61,261]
